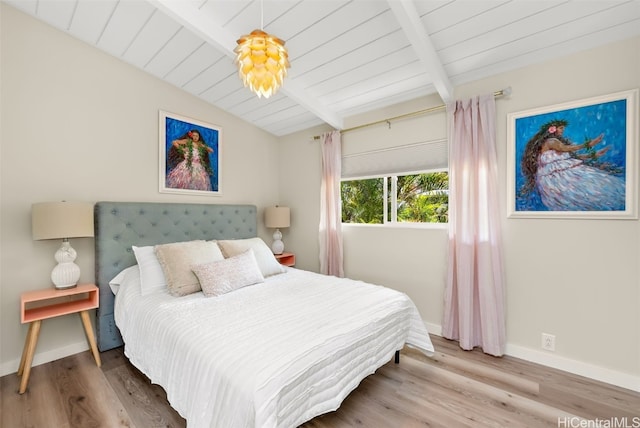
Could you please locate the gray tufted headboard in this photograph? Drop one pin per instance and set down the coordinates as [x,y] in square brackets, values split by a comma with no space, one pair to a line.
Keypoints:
[119,225]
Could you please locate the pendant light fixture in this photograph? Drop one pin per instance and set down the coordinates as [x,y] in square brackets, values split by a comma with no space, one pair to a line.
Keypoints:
[262,60]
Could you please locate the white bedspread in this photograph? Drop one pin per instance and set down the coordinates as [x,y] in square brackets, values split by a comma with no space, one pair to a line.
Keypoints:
[269,355]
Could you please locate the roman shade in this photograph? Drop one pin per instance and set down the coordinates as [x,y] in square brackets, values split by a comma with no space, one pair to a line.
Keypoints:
[421,156]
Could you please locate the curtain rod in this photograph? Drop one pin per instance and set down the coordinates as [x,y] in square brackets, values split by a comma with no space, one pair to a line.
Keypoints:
[496,94]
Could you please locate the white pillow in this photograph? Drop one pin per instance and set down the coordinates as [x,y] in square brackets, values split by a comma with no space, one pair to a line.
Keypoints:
[151,274]
[220,277]
[118,280]
[264,256]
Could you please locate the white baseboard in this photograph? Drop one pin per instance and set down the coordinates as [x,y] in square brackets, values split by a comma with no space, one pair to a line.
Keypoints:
[602,374]
[45,357]
[434,329]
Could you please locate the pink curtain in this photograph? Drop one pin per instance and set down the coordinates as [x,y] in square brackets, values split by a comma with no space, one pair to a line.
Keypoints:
[474,294]
[330,214]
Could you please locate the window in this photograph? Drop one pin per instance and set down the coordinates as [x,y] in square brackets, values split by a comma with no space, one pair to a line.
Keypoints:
[404,184]
[363,200]
[412,198]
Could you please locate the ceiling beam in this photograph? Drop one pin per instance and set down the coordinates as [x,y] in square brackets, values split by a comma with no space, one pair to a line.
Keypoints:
[193,19]
[409,19]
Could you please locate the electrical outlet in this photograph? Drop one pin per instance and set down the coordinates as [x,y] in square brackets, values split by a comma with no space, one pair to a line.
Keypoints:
[548,342]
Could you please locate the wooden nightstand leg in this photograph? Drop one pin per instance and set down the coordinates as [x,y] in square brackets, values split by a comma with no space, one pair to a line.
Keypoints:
[27,355]
[25,350]
[88,329]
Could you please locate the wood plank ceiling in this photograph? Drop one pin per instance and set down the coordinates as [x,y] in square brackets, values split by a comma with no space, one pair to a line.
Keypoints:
[347,56]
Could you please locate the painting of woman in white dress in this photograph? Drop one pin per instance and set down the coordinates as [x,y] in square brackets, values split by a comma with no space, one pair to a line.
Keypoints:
[569,176]
[190,156]
[574,160]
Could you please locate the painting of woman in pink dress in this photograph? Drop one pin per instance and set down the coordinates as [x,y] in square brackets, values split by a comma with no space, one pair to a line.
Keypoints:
[190,156]
[189,163]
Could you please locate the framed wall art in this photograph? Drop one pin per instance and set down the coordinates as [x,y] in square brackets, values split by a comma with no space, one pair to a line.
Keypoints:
[574,160]
[190,156]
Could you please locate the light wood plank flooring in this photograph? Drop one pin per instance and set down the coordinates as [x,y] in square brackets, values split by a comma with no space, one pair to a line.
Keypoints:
[454,388]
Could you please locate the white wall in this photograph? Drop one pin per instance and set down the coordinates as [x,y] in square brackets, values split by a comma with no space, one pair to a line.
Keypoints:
[576,279]
[81,125]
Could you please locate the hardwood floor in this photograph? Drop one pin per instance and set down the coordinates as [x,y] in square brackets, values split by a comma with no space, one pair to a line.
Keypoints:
[454,388]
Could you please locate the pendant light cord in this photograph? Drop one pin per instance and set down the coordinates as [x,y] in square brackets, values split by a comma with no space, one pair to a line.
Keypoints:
[262,15]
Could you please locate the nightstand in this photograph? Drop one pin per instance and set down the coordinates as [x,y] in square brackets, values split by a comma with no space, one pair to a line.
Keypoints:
[286,259]
[38,305]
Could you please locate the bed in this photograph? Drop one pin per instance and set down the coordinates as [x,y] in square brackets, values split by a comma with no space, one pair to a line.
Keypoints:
[275,353]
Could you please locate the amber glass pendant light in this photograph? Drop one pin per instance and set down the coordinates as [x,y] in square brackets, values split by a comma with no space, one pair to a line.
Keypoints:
[262,61]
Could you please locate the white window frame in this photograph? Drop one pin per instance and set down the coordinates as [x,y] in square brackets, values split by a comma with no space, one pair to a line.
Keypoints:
[393,222]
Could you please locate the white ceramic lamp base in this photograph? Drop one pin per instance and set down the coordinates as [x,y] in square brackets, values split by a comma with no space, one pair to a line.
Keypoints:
[278,246]
[66,274]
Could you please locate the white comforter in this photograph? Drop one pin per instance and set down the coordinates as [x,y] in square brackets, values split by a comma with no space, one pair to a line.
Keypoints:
[274,354]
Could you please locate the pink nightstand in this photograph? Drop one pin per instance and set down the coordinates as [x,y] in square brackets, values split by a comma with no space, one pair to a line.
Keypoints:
[286,259]
[54,303]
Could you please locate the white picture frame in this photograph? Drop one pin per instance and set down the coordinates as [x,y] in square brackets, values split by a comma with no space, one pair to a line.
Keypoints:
[599,133]
[190,156]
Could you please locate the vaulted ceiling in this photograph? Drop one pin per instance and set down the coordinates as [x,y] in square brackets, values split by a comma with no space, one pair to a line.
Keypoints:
[347,56]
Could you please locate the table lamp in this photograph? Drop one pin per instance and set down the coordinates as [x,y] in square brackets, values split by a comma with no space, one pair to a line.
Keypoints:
[277,217]
[62,220]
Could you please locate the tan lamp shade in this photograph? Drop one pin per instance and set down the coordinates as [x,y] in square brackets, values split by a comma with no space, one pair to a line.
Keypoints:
[59,220]
[276,217]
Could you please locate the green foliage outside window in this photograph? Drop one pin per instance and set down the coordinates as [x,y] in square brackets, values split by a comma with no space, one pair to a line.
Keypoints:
[420,198]
[423,198]
[362,201]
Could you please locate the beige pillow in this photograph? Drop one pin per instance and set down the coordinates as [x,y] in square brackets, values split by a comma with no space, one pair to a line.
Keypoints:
[176,260]
[220,277]
[266,260]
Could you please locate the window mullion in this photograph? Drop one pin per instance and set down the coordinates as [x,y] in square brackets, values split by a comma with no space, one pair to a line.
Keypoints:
[385,200]
[394,199]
